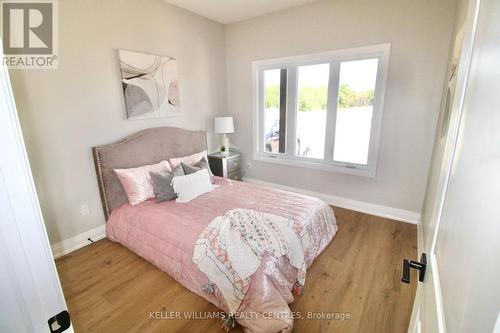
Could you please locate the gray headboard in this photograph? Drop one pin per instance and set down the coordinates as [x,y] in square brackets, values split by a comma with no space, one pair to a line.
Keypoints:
[146,147]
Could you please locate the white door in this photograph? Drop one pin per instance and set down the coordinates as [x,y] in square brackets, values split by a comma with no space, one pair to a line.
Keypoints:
[29,285]
[461,290]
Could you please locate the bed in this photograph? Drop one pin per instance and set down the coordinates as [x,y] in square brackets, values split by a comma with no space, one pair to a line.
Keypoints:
[165,233]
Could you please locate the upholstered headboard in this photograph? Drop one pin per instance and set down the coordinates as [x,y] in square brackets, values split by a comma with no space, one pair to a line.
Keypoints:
[146,147]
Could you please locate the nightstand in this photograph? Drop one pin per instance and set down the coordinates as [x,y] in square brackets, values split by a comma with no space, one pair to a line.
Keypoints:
[226,166]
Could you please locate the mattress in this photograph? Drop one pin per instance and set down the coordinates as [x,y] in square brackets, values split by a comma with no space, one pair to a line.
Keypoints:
[165,233]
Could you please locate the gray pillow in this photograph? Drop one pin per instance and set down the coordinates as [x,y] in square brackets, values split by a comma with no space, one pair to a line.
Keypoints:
[162,181]
[201,164]
[178,171]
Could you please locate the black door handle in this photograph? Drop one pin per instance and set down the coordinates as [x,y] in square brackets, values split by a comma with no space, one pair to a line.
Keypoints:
[421,266]
[60,322]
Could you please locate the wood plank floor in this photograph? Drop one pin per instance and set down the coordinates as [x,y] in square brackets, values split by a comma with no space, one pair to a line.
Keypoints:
[110,289]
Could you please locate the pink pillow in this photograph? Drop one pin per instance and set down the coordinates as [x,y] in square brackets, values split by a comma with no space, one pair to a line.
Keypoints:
[189,160]
[137,182]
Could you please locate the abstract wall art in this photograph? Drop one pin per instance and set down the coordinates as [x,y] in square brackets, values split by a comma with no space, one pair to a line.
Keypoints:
[150,85]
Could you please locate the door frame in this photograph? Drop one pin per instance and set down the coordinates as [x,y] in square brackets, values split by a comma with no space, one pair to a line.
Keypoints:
[24,244]
[419,311]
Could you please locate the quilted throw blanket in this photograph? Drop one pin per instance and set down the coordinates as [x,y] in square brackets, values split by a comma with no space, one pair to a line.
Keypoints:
[230,249]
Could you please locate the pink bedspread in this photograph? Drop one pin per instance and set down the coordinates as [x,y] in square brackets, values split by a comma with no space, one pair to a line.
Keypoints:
[165,234]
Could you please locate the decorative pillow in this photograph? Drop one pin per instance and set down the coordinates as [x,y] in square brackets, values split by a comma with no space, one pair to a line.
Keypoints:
[178,171]
[162,184]
[191,186]
[189,159]
[189,169]
[201,164]
[137,181]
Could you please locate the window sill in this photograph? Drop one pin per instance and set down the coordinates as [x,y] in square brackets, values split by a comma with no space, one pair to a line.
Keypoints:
[276,159]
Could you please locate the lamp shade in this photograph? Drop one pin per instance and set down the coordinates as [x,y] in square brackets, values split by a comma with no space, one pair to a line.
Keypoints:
[223,125]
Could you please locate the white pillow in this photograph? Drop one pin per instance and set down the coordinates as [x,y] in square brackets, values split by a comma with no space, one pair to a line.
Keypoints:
[191,186]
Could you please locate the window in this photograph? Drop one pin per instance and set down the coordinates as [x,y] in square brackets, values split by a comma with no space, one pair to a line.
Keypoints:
[321,111]
[274,110]
[356,91]
[312,100]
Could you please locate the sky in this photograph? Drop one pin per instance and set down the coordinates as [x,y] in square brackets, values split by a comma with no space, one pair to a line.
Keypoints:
[360,75]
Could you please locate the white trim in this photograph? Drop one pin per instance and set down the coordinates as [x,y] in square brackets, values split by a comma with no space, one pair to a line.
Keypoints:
[416,313]
[415,322]
[343,54]
[77,242]
[360,206]
[310,163]
[380,51]
[497,324]
[438,296]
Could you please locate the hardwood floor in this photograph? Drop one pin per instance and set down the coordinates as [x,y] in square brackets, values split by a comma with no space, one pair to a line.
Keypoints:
[110,289]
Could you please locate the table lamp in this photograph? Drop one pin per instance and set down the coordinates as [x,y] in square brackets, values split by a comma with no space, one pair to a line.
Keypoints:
[224,126]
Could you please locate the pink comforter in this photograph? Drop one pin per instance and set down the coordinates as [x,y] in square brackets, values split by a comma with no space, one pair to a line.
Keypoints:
[165,234]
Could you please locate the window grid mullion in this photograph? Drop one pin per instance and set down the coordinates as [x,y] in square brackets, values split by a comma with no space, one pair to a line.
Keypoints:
[331,116]
[291,111]
[283,110]
[260,116]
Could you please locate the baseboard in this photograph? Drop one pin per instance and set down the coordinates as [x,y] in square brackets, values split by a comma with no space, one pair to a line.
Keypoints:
[360,206]
[74,243]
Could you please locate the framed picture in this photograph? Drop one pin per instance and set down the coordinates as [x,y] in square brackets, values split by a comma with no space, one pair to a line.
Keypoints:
[150,85]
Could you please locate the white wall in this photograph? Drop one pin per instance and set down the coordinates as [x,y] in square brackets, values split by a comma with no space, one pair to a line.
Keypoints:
[65,112]
[420,33]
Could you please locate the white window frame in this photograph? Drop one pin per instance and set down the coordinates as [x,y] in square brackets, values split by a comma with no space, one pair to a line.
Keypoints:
[334,58]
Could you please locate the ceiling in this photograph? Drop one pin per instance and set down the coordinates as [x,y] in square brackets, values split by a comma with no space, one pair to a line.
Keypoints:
[230,11]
